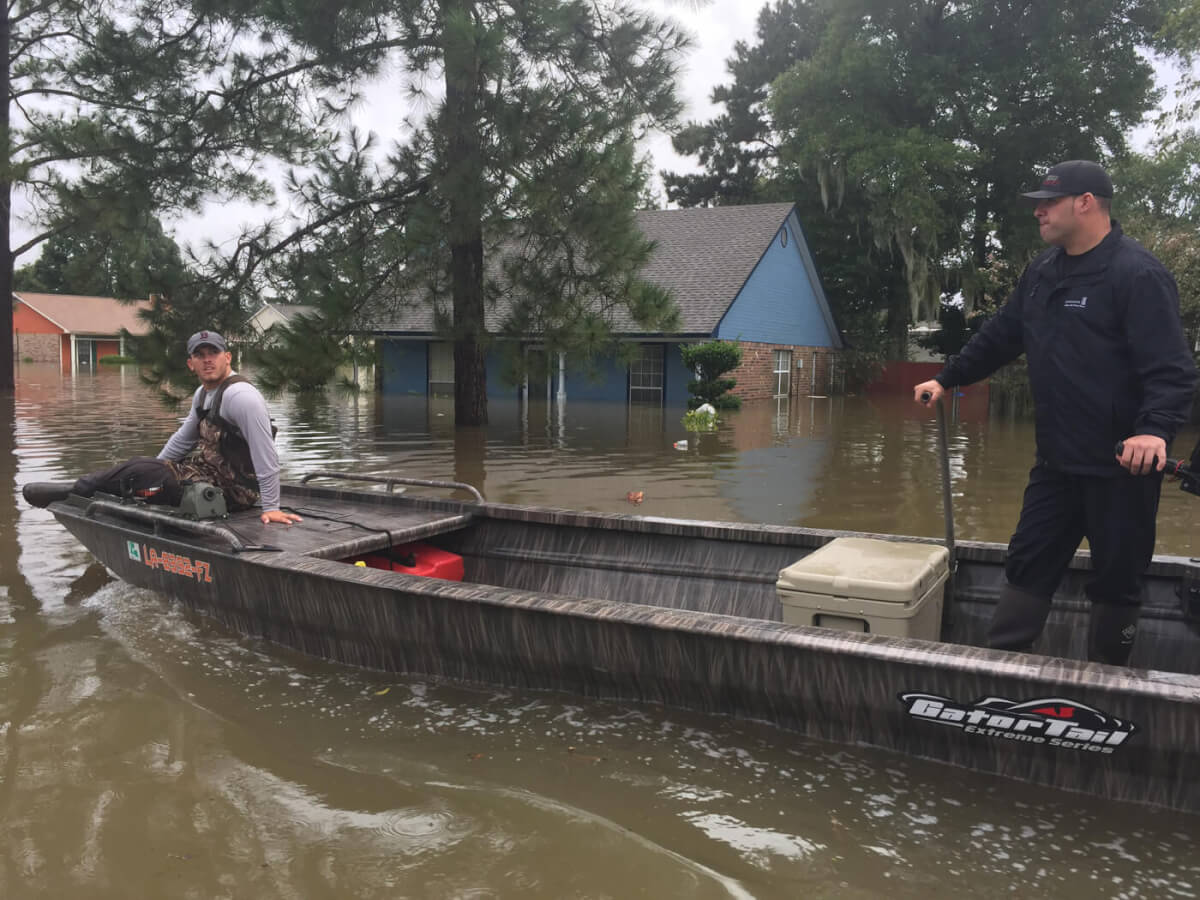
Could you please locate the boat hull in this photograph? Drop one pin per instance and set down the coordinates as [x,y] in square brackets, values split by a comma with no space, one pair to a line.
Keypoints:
[1125,734]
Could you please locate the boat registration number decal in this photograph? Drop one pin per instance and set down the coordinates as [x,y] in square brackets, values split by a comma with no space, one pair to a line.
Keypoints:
[169,562]
[1050,721]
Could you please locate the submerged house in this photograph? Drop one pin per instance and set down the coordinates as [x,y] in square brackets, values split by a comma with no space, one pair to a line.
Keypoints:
[74,331]
[738,273]
[264,324]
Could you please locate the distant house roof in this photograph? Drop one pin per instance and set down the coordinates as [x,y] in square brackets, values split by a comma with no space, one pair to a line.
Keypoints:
[75,314]
[288,310]
[703,257]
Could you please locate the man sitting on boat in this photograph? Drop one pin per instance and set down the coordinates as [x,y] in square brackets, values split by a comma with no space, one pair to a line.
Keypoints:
[226,440]
[1097,317]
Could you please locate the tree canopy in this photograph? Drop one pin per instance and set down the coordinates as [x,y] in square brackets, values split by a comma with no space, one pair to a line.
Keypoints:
[115,111]
[123,264]
[512,192]
[916,124]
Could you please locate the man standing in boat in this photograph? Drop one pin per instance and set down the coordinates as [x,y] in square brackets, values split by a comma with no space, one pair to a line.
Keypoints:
[1097,317]
[226,440]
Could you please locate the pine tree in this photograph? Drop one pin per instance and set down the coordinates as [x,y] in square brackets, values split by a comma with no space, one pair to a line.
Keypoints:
[519,187]
[116,110]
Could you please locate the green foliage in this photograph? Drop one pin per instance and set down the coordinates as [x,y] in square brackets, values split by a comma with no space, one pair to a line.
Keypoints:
[124,110]
[956,329]
[305,360]
[124,264]
[1160,208]
[905,131]
[710,361]
[117,360]
[699,420]
[508,211]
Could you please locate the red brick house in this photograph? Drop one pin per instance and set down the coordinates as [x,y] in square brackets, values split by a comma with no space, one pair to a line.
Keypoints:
[73,331]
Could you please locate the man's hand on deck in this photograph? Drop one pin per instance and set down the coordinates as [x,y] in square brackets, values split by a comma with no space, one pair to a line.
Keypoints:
[278,515]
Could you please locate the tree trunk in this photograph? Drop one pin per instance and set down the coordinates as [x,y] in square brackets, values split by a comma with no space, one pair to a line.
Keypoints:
[7,359]
[463,186]
[979,235]
[898,313]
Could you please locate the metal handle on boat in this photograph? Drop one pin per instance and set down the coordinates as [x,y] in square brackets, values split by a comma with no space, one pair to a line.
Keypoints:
[392,481]
[162,520]
[947,507]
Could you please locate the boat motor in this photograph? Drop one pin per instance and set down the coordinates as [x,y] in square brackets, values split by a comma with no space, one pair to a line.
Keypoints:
[202,500]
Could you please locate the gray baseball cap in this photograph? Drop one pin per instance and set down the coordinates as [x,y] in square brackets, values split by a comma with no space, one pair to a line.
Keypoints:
[200,338]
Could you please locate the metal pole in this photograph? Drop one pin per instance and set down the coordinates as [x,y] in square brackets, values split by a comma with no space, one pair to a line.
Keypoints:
[948,513]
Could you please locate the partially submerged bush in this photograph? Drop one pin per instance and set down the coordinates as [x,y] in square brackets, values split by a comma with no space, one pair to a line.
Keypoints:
[702,419]
[710,361]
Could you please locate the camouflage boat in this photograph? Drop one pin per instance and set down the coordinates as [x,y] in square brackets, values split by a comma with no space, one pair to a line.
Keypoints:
[837,636]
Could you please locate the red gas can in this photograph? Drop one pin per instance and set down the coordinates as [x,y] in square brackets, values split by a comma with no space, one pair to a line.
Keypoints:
[419,559]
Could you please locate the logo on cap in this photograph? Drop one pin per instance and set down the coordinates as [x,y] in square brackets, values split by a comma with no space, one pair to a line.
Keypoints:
[1051,181]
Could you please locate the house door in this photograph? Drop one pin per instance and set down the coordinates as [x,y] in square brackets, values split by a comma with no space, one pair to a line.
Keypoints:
[85,354]
[537,373]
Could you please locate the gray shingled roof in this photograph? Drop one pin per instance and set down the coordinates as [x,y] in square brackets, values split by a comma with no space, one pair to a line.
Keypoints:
[703,256]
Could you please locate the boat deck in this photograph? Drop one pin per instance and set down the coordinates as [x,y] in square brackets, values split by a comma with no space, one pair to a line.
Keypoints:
[334,529]
[330,528]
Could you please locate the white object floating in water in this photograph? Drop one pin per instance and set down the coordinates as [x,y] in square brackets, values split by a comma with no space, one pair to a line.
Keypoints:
[706,408]
[680,445]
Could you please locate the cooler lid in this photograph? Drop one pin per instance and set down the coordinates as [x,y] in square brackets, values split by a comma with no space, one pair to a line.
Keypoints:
[869,569]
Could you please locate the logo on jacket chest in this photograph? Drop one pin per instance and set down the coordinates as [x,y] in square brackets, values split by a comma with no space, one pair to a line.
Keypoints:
[1075,303]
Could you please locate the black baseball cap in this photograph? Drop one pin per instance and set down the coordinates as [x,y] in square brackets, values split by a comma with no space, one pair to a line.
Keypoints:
[1071,178]
[211,338]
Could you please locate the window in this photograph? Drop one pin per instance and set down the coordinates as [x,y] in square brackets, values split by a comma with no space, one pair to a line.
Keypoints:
[783,373]
[646,375]
[441,368]
[783,236]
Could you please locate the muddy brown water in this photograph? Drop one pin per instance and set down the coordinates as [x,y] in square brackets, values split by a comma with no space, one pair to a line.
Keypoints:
[144,753]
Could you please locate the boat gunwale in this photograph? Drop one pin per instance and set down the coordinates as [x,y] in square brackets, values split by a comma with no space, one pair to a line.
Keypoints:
[1161,565]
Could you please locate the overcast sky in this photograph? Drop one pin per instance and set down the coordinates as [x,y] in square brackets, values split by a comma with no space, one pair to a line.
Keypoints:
[714,26]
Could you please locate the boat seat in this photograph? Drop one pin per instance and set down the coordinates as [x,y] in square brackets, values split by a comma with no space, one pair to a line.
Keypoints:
[332,529]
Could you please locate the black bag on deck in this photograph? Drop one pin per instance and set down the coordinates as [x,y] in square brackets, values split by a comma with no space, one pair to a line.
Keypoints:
[141,478]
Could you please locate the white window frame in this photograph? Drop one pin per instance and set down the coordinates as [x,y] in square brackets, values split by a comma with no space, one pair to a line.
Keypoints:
[647,375]
[783,373]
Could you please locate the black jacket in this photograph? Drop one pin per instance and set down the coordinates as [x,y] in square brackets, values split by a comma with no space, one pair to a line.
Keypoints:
[1106,351]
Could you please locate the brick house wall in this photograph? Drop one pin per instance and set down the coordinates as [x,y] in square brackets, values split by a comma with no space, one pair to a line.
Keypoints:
[756,375]
[38,347]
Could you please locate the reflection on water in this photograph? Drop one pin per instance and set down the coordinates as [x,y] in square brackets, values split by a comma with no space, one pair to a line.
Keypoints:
[145,753]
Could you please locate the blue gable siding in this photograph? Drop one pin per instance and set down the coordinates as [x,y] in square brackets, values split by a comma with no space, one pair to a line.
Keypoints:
[779,303]
[607,381]
[405,367]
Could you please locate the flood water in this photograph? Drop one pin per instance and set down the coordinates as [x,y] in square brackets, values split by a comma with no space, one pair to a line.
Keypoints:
[146,753]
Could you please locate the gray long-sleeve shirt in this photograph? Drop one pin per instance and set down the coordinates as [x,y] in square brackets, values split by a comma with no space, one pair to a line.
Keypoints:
[245,407]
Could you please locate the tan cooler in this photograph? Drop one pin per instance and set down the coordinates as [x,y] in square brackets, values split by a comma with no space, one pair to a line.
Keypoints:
[868,585]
